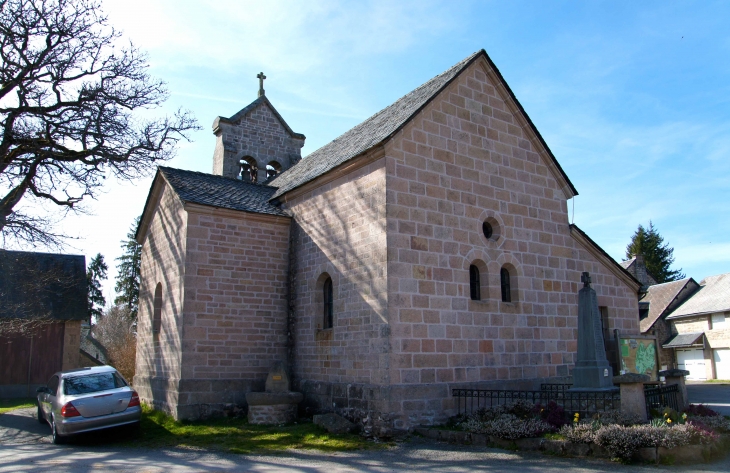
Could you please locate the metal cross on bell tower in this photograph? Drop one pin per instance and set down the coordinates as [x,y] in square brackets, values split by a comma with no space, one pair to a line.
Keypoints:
[261,78]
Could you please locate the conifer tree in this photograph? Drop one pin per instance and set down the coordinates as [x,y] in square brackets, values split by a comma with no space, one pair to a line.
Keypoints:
[658,256]
[95,273]
[127,285]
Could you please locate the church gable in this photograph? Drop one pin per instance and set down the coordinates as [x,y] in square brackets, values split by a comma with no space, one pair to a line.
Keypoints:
[480,254]
[255,144]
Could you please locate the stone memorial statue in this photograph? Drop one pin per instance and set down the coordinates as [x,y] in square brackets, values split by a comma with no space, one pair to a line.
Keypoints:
[592,371]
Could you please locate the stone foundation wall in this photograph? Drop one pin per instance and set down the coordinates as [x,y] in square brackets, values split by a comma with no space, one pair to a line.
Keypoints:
[386,410]
[272,415]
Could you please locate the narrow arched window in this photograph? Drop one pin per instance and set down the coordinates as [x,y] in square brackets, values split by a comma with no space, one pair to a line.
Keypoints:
[506,289]
[157,313]
[328,304]
[474,283]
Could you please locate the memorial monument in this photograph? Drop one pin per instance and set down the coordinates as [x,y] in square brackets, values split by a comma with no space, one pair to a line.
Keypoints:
[592,371]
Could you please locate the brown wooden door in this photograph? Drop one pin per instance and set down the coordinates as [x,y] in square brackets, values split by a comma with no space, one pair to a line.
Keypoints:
[32,358]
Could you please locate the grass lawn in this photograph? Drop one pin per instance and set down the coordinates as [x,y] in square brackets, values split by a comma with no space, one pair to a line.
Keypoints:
[238,436]
[7,405]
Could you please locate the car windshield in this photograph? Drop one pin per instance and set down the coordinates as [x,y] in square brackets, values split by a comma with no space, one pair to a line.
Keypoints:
[92,383]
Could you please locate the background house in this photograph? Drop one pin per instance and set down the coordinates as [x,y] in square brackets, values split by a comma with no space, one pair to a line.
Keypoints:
[43,302]
[659,301]
[701,330]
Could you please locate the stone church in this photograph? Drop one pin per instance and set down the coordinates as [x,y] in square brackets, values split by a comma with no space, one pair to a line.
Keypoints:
[427,248]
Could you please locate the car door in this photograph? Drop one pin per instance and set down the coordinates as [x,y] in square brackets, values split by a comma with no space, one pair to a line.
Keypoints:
[50,396]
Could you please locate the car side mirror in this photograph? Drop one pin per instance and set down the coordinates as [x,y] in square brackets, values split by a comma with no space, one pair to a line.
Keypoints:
[42,389]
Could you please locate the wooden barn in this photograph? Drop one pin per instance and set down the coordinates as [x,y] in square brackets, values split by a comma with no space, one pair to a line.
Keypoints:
[43,302]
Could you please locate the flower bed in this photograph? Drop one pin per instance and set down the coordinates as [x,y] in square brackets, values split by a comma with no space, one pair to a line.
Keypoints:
[692,436]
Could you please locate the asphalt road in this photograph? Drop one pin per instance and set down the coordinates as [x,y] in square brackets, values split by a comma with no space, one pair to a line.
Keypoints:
[714,396]
[25,447]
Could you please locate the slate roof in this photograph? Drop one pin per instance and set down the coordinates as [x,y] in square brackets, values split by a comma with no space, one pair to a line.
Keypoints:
[684,340]
[221,192]
[659,297]
[43,285]
[383,125]
[712,296]
[589,240]
[627,264]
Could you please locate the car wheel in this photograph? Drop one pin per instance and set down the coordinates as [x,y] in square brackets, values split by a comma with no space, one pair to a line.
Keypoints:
[41,419]
[57,439]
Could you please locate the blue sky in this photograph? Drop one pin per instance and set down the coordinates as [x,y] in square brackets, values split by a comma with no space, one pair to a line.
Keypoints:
[632,98]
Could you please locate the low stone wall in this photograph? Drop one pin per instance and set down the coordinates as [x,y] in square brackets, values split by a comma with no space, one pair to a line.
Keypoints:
[659,455]
[385,411]
[194,400]
[273,414]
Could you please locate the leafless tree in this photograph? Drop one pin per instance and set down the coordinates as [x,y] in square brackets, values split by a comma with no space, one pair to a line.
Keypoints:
[70,94]
[115,330]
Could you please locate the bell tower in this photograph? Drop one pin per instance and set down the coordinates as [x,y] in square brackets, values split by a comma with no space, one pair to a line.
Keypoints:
[255,144]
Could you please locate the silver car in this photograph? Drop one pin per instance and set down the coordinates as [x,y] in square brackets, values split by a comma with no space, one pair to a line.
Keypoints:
[87,399]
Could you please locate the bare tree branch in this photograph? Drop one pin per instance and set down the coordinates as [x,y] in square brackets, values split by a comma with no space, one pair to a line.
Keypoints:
[68,97]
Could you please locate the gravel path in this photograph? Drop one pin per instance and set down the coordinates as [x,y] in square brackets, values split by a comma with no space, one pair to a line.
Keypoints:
[25,447]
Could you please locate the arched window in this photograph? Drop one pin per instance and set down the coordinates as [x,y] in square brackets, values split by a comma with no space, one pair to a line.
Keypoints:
[157,313]
[272,169]
[249,169]
[475,283]
[328,304]
[506,288]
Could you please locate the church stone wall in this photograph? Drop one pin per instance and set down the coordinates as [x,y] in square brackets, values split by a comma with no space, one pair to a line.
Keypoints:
[234,327]
[163,253]
[464,159]
[339,231]
[258,134]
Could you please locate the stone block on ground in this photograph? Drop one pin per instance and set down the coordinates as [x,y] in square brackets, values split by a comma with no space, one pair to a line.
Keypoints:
[333,423]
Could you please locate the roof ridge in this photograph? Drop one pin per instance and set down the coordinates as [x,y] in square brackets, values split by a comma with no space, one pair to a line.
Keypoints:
[671,282]
[303,172]
[218,176]
[378,128]
[252,106]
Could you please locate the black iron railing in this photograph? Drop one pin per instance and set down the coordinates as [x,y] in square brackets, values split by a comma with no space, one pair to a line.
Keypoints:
[659,397]
[555,387]
[586,403]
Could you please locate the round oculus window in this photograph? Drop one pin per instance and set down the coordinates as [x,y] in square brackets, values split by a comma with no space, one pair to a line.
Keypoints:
[487,229]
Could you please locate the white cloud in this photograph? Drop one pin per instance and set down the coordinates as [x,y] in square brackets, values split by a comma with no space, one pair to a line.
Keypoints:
[286,36]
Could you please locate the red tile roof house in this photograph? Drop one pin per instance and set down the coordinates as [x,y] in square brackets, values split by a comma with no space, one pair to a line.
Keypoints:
[427,248]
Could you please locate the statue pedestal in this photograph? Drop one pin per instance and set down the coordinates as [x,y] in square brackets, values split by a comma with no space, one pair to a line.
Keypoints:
[633,401]
[277,405]
[677,377]
[273,408]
